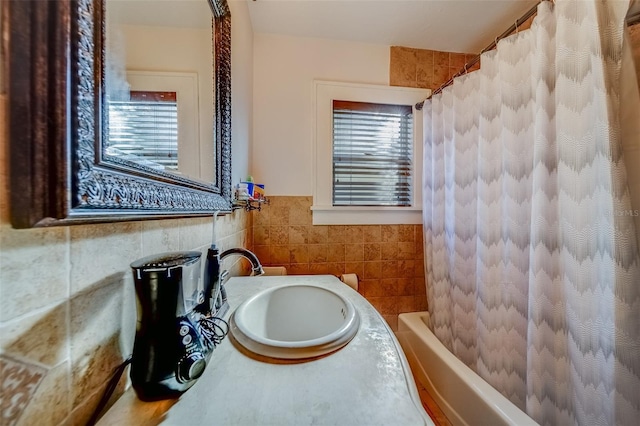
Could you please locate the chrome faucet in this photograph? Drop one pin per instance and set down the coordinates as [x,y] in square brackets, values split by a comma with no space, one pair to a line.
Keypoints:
[256,267]
[215,296]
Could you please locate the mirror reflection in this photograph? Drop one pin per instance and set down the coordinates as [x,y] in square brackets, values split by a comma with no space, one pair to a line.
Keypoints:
[159,87]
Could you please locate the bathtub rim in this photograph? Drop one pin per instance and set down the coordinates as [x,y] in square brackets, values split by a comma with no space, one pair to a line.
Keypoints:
[505,410]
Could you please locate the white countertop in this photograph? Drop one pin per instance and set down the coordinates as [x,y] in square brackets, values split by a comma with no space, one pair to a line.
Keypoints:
[368,382]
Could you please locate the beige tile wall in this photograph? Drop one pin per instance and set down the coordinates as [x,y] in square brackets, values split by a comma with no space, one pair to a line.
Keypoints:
[388,259]
[427,69]
[67,303]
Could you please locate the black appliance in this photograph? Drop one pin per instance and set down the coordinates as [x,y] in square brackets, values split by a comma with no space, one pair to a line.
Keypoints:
[169,353]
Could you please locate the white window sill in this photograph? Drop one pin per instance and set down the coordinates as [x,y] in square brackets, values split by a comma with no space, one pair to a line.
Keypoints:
[354,215]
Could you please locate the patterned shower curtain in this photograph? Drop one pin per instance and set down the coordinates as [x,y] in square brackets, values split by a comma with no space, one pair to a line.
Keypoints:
[533,272]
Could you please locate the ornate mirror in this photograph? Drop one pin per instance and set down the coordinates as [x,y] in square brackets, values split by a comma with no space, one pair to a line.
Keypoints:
[104,127]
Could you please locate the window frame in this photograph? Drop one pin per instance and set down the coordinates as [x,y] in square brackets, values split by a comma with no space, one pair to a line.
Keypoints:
[194,149]
[323,210]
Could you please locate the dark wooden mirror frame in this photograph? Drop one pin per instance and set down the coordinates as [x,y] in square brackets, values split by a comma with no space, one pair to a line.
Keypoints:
[55,84]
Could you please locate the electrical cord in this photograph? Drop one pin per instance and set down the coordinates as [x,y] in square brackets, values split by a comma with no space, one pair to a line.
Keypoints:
[111,387]
[212,332]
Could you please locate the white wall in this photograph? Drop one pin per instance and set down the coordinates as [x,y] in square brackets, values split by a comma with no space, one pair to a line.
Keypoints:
[284,70]
[241,89]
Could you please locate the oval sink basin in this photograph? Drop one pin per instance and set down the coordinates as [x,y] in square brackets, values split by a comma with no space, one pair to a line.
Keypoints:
[295,322]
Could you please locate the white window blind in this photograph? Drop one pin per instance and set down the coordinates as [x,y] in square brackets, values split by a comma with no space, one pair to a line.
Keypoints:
[145,127]
[372,154]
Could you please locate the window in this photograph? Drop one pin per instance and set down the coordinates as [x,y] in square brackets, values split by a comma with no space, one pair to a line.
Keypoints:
[159,119]
[367,154]
[146,127]
[372,154]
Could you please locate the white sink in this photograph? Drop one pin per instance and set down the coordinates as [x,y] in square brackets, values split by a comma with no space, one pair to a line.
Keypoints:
[295,322]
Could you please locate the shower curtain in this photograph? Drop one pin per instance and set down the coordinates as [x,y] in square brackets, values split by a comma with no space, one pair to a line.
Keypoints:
[530,183]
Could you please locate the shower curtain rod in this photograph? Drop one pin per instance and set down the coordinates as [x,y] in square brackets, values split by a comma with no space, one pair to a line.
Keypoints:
[631,20]
[528,14]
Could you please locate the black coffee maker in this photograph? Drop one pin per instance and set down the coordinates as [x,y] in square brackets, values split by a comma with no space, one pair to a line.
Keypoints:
[169,353]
